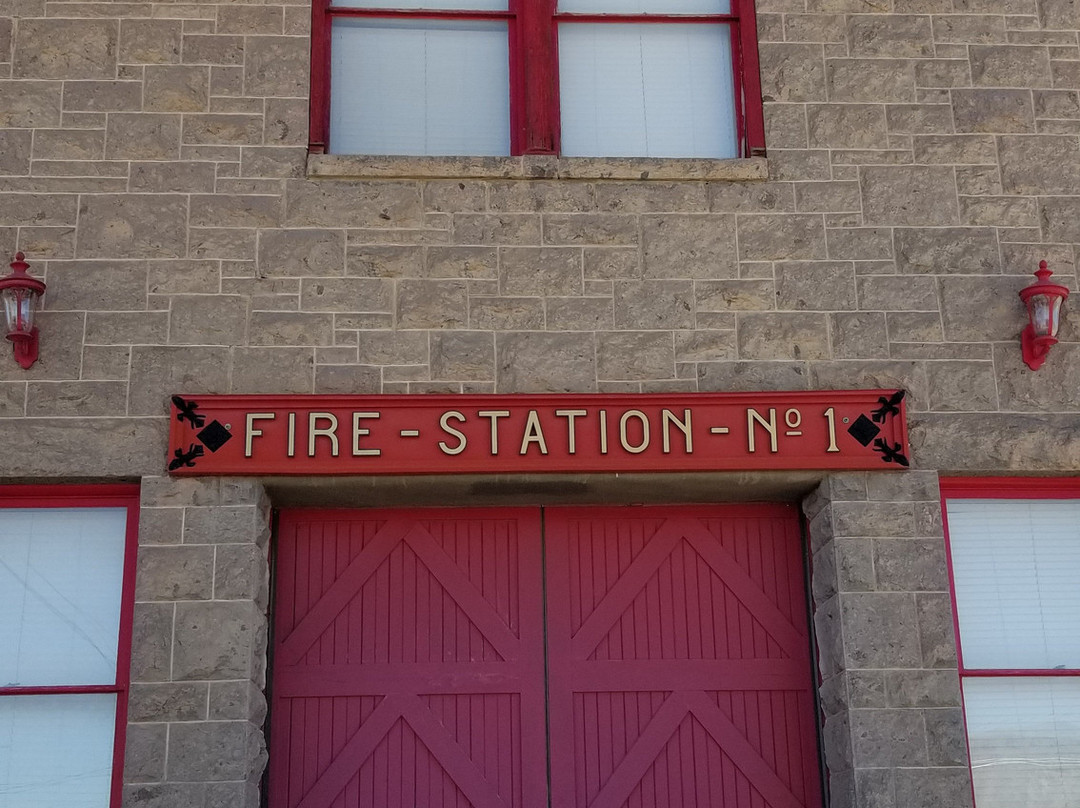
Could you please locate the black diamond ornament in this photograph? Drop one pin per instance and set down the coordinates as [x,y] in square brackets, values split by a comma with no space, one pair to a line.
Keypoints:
[214,436]
[863,430]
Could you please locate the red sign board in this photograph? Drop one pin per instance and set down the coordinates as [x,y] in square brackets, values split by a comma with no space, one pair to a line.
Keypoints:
[496,434]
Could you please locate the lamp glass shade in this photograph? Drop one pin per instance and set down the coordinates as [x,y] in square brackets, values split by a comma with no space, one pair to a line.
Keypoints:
[19,305]
[1044,311]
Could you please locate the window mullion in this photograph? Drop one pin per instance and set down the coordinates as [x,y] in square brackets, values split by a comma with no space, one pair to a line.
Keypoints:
[534,55]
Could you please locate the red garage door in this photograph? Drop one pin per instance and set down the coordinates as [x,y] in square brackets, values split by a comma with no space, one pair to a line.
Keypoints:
[575,657]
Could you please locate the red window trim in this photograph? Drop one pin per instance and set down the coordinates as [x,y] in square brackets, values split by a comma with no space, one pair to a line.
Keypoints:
[996,488]
[534,86]
[94,496]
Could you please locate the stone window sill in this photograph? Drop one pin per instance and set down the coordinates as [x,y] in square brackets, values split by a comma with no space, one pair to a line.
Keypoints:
[534,167]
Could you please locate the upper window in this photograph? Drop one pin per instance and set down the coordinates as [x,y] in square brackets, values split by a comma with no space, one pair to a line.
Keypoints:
[1015,554]
[585,78]
[65,647]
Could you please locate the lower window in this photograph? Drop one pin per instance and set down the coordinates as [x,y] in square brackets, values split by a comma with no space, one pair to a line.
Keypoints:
[1015,559]
[65,627]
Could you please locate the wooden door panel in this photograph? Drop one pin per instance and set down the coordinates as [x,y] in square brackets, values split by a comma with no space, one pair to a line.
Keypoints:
[678,658]
[408,663]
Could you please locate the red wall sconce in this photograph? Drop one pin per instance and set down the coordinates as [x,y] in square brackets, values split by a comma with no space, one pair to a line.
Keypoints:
[1043,300]
[19,295]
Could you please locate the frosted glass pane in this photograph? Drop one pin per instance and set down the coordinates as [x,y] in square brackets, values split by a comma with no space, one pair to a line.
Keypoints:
[61,577]
[649,90]
[56,750]
[442,5]
[1016,567]
[645,6]
[420,87]
[1024,736]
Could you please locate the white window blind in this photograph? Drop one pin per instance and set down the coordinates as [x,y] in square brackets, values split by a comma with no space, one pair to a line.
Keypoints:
[1016,568]
[1024,737]
[645,6]
[646,90]
[419,87]
[56,750]
[61,579]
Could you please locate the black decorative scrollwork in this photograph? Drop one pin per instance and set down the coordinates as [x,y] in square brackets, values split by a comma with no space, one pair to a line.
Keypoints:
[186,412]
[188,458]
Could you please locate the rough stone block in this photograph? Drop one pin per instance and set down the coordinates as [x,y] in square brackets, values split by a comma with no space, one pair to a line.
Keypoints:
[150,41]
[432,304]
[689,246]
[936,634]
[215,750]
[160,525]
[880,630]
[98,285]
[142,136]
[910,565]
[773,237]
[376,261]
[923,688]
[102,96]
[207,319]
[534,362]
[176,88]
[934,788]
[962,386]
[858,334]
[292,253]
[290,328]
[276,66]
[240,700]
[241,572]
[75,399]
[908,195]
[897,35]
[919,119]
[293,370]
[946,738]
[65,49]
[1009,66]
[828,197]
[603,229]
[873,81]
[752,376]
[160,371]
[888,738]
[350,379]
[463,355]
[635,355]
[815,285]
[938,251]
[223,129]
[286,121]
[748,295]
[168,701]
[654,305]
[792,72]
[219,640]
[1039,164]
[394,348]
[175,573]
[579,313]
[151,643]
[213,49]
[354,204]
[994,111]
[975,309]
[144,752]
[767,335]
[540,271]
[859,243]
[37,209]
[30,103]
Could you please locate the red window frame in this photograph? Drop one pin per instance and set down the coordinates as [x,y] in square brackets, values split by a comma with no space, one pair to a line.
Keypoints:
[534,66]
[93,496]
[997,488]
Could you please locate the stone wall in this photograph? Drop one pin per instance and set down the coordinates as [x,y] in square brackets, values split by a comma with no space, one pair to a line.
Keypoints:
[198,663]
[923,156]
[890,693]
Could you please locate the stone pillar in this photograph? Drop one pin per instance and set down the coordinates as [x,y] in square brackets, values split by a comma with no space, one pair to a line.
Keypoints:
[894,734]
[198,666]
